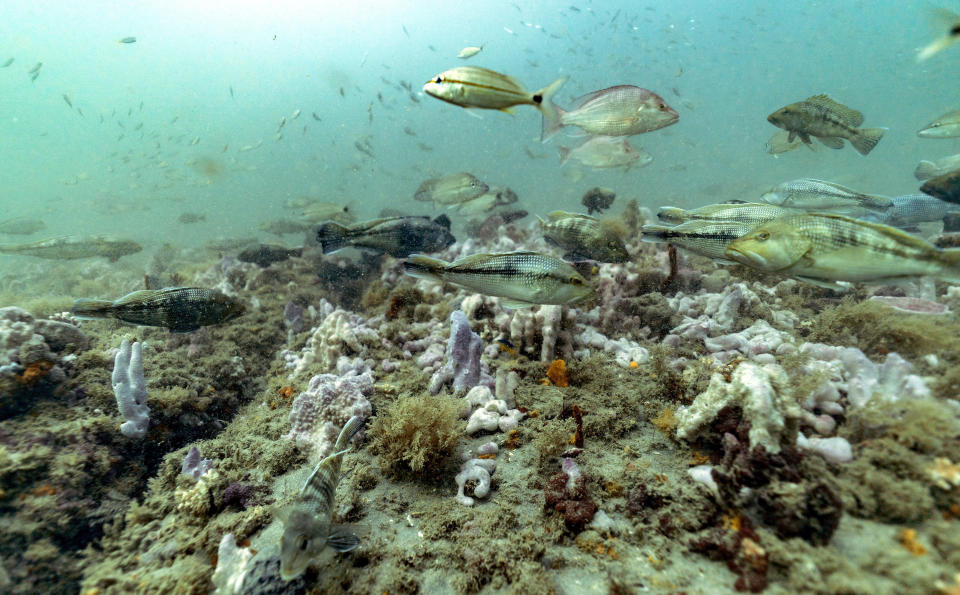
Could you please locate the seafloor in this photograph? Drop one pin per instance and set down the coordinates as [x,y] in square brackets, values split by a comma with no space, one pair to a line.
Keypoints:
[685,475]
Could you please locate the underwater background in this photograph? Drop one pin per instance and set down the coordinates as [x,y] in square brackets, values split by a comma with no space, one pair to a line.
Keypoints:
[187,126]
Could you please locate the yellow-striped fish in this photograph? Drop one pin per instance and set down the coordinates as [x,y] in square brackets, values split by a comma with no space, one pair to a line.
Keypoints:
[308,528]
[473,86]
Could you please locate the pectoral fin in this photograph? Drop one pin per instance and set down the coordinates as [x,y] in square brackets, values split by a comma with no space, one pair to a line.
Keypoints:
[342,541]
[831,141]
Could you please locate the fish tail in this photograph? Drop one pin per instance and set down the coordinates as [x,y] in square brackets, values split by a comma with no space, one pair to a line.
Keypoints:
[424,267]
[332,237]
[552,113]
[866,139]
[91,308]
[564,154]
[925,170]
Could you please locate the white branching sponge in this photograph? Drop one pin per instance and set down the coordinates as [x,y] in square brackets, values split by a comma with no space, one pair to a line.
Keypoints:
[130,389]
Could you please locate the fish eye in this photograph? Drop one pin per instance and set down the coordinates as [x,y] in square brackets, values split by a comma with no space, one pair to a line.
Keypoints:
[576,281]
[438,80]
[302,543]
[662,106]
[763,236]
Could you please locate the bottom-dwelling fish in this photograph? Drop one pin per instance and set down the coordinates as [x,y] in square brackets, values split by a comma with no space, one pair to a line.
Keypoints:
[180,309]
[308,527]
[824,249]
[523,279]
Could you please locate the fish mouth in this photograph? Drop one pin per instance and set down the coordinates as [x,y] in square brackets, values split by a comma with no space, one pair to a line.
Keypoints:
[748,258]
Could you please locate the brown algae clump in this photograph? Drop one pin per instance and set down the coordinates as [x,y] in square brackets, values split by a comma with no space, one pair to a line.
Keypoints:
[877,329]
[416,434]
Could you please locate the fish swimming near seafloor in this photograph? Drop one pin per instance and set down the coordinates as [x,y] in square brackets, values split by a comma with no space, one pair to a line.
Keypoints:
[623,110]
[308,527]
[910,210]
[931,169]
[812,194]
[600,152]
[583,237]
[824,249]
[318,212]
[22,226]
[828,121]
[747,212]
[703,237]
[263,255]
[946,126]
[523,279]
[180,309]
[473,86]
[451,189]
[74,247]
[281,227]
[396,236]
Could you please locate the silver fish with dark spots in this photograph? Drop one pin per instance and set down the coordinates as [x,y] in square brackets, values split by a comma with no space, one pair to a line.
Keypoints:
[583,237]
[706,238]
[828,121]
[396,236]
[74,247]
[180,309]
[308,527]
[523,279]
[811,194]
[451,189]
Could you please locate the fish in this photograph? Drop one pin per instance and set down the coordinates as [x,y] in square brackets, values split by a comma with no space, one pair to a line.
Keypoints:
[476,87]
[623,110]
[598,199]
[318,212]
[195,141]
[451,189]
[127,40]
[281,227]
[931,169]
[36,68]
[749,213]
[781,143]
[825,249]
[315,116]
[945,186]
[601,152]
[583,237]
[34,76]
[7,63]
[283,122]
[264,255]
[180,309]
[21,226]
[74,247]
[828,121]
[396,236]
[308,524]
[909,210]
[809,193]
[231,91]
[67,99]
[188,218]
[946,126]
[948,23]
[295,114]
[522,279]
[469,52]
[703,237]
[227,244]
[409,131]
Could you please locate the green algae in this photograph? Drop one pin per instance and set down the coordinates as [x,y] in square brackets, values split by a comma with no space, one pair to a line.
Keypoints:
[416,434]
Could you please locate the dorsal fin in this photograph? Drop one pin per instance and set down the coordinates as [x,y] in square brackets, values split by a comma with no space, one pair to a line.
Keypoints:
[847,114]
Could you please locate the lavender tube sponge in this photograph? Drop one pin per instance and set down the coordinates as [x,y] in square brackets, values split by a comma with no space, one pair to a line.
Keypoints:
[130,389]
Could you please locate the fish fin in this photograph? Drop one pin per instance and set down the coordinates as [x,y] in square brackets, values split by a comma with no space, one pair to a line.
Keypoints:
[876,202]
[925,170]
[847,114]
[866,139]
[424,267]
[552,113]
[834,285]
[564,155]
[831,141]
[342,541]
[508,110]
[804,137]
[349,430]
[442,220]
[332,237]
[91,308]
[475,112]
[655,234]
[792,136]
[515,304]
[188,327]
